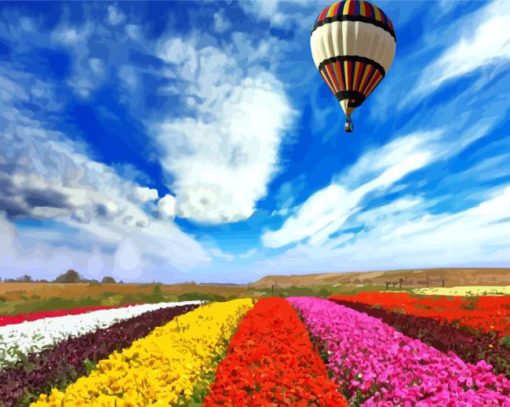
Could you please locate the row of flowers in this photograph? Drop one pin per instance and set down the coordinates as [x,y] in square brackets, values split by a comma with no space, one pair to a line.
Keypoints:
[33,316]
[467,290]
[443,336]
[271,361]
[485,314]
[74,357]
[162,368]
[375,364]
[19,340]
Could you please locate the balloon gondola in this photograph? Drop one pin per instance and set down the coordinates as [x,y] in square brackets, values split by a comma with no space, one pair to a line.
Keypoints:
[353,44]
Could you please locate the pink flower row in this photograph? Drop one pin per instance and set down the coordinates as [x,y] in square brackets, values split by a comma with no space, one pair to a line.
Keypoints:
[377,365]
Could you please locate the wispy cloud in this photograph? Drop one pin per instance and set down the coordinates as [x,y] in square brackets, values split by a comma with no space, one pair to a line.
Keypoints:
[483,40]
[277,11]
[45,175]
[327,210]
[395,237]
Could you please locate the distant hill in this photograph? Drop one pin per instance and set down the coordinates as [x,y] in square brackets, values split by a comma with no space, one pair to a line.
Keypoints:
[411,278]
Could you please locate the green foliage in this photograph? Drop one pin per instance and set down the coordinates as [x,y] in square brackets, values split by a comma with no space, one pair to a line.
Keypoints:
[89,366]
[47,304]
[141,298]
[471,302]
[324,293]
[194,296]
[505,341]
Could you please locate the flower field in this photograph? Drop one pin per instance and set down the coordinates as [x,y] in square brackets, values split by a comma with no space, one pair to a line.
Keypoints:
[485,313]
[299,351]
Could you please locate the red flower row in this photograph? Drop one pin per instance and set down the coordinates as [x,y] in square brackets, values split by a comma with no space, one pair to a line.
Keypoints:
[485,313]
[271,362]
[17,319]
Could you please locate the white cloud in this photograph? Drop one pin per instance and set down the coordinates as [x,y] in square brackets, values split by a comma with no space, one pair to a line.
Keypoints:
[145,194]
[321,211]
[133,31]
[401,206]
[96,65]
[115,16]
[248,254]
[283,13]
[286,194]
[221,22]
[68,35]
[222,160]
[220,254]
[8,237]
[128,260]
[484,41]
[217,253]
[97,49]
[166,206]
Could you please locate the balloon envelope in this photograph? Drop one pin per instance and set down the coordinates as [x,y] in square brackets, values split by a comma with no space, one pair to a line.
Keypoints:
[353,44]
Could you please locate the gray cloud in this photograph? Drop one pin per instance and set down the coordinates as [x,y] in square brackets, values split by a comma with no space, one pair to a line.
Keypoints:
[45,197]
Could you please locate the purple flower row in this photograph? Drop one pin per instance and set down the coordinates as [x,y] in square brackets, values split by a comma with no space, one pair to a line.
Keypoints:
[70,359]
[443,336]
[376,365]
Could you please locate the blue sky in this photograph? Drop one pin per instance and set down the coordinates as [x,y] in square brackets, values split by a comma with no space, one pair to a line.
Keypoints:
[179,141]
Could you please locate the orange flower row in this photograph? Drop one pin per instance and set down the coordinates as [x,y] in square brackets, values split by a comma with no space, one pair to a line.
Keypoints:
[271,362]
[485,313]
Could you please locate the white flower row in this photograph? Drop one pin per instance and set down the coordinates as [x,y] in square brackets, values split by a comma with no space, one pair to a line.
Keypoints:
[18,340]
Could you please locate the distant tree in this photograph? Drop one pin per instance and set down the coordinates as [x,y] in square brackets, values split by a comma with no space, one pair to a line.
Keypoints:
[156,289]
[394,284]
[25,279]
[443,281]
[388,284]
[108,280]
[70,276]
[400,281]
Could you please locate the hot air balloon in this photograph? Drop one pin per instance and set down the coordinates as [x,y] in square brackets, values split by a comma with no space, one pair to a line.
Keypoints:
[353,44]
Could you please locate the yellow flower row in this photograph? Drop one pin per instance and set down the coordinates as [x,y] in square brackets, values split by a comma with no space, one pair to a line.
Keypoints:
[465,291]
[160,369]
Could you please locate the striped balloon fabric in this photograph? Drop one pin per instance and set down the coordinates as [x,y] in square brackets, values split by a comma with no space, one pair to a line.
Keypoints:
[353,45]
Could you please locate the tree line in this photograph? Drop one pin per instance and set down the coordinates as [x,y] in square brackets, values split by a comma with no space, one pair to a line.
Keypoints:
[69,277]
